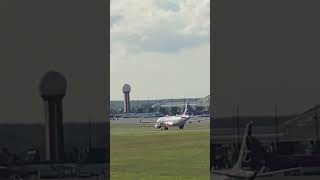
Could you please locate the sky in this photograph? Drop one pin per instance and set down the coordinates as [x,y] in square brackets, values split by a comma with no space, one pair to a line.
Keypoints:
[160,47]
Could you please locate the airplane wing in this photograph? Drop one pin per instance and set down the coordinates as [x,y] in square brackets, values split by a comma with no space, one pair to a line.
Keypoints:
[240,174]
[146,122]
[198,119]
[251,174]
[281,171]
[201,115]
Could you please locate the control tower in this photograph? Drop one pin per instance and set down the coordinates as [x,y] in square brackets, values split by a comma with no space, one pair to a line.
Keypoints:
[126,92]
[52,90]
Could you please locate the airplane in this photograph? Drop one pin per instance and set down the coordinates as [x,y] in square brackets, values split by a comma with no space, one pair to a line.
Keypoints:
[239,172]
[166,121]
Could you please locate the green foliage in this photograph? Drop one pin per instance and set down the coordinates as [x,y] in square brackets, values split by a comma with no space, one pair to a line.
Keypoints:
[200,108]
[175,110]
[163,110]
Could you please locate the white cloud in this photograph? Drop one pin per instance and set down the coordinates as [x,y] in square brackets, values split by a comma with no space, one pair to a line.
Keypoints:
[141,25]
[118,51]
[160,47]
[161,75]
[197,17]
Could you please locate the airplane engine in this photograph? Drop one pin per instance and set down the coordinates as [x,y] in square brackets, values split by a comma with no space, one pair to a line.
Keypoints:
[170,123]
[181,126]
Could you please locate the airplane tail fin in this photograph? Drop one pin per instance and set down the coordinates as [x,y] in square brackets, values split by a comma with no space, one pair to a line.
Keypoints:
[186,108]
[244,149]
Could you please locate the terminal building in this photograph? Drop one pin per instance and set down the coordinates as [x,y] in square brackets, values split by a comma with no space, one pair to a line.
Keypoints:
[120,106]
[193,102]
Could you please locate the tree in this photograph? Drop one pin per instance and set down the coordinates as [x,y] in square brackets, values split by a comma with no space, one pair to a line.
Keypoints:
[113,111]
[163,110]
[151,109]
[140,110]
[200,108]
[190,108]
[174,110]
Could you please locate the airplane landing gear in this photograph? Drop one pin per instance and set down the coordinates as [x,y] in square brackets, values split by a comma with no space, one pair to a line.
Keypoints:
[181,127]
[164,127]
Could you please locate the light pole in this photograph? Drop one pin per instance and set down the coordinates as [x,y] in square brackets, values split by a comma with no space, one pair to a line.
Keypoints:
[238,127]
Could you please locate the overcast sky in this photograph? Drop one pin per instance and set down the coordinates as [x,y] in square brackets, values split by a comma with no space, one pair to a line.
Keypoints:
[160,47]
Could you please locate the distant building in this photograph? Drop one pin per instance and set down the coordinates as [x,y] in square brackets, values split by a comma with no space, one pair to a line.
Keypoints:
[193,102]
[164,103]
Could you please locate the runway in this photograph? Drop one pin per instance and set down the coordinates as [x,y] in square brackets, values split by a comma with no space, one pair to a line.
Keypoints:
[133,125]
[157,131]
[203,120]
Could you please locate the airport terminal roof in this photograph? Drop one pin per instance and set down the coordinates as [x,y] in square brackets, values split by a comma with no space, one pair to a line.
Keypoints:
[163,102]
[181,102]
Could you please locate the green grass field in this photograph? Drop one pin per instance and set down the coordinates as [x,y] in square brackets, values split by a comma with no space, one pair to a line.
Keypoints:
[145,153]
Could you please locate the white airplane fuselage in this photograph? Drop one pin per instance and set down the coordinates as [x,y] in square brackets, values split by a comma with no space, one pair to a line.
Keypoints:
[172,121]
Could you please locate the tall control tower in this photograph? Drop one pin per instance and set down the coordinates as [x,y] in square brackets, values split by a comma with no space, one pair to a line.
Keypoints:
[126,92]
[53,89]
